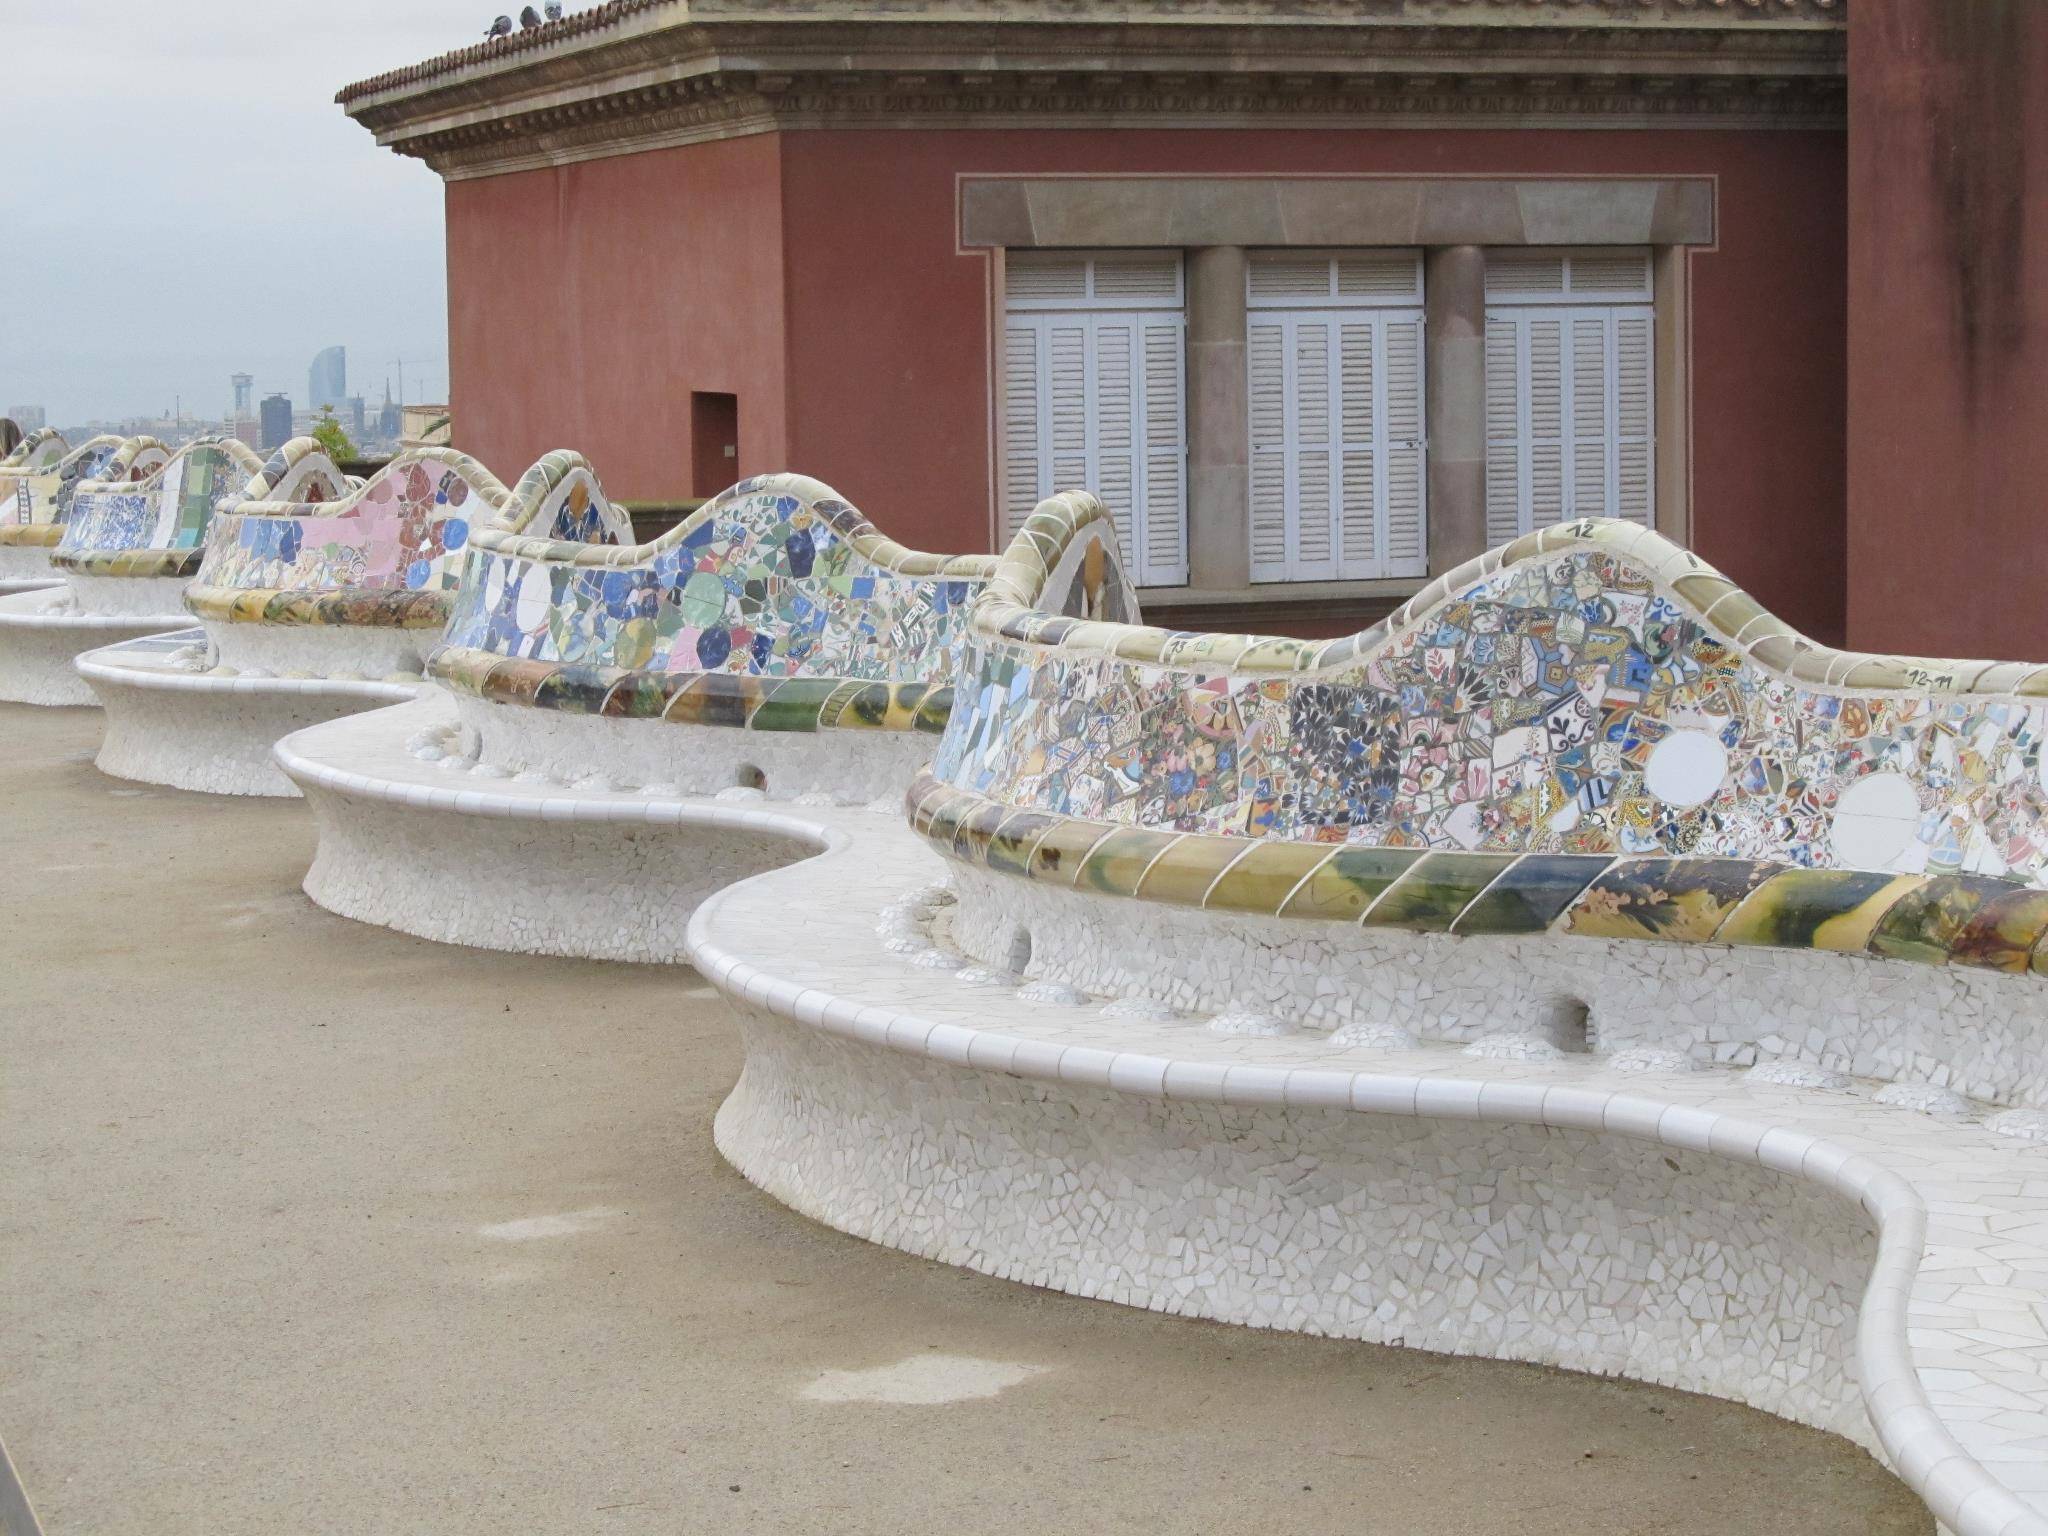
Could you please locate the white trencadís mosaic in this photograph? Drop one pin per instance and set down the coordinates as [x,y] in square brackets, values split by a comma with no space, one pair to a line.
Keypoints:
[1519,1242]
[412,837]
[1981,1033]
[848,767]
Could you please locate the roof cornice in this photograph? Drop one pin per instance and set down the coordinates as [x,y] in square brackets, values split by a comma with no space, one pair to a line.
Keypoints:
[640,74]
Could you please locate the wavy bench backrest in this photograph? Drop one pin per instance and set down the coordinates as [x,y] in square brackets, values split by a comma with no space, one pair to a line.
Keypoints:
[401,530]
[165,513]
[41,498]
[560,500]
[299,472]
[1591,715]
[39,450]
[776,578]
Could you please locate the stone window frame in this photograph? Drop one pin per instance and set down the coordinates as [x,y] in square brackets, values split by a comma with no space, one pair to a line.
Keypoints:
[1216,221]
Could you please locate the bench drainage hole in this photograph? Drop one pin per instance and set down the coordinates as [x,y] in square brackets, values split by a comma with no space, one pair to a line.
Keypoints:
[1019,958]
[1572,1026]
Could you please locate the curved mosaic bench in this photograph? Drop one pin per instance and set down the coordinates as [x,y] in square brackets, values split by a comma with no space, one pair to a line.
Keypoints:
[772,646]
[1124,1025]
[313,610]
[37,483]
[40,449]
[124,550]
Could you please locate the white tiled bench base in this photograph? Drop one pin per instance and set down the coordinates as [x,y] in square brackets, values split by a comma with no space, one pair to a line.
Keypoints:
[25,568]
[191,730]
[38,648]
[1864,1268]
[531,868]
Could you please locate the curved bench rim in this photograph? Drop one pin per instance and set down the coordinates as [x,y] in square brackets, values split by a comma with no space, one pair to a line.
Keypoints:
[1966,1496]
[1007,612]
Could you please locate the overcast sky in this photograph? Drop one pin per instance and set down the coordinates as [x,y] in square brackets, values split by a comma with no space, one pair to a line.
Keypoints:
[183,200]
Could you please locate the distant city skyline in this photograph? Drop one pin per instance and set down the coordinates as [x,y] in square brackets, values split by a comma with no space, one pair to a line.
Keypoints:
[212,212]
[220,404]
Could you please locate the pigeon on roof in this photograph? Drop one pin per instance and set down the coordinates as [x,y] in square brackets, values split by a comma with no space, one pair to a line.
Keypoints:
[502,27]
[529,19]
[552,10]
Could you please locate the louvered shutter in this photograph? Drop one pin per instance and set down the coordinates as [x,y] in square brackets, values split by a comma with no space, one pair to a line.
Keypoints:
[1570,417]
[1358,374]
[1505,389]
[1284,276]
[1023,442]
[1635,425]
[1339,468]
[1163,347]
[1570,392]
[1114,419]
[1587,454]
[1544,428]
[1267,343]
[1335,365]
[1404,550]
[1067,406]
[1308,397]
[1095,397]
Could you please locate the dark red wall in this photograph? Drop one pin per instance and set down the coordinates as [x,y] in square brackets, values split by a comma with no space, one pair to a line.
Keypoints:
[1948,295]
[899,419]
[586,302]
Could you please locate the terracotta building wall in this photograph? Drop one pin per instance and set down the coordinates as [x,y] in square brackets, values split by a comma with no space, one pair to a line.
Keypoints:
[587,302]
[1948,294]
[816,276]
[889,384]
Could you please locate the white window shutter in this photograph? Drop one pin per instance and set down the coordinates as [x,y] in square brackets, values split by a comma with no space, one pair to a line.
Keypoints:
[1358,391]
[1635,424]
[1045,277]
[1113,419]
[1339,462]
[1506,447]
[1404,543]
[1570,415]
[1133,275]
[1587,333]
[1267,343]
[1380,277]
[1516,274]
[1543,362]
[1610,274]
[1094,397]
[1067,405]
[1021,438]
[1309,392]
[1165,519]
[1354,279]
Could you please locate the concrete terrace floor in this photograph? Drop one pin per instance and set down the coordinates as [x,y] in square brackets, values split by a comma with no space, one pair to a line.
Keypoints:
[307,1226]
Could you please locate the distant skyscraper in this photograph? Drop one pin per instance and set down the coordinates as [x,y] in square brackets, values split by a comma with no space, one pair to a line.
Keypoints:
[355,417]
[327,382]
[245,392]
[27,417]
[277,421]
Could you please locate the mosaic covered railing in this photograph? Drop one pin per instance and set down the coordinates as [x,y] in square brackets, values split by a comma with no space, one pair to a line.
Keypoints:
[388,553]
[36,494]
[38,450]
[1589,732]
[775,606]
[154,526]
